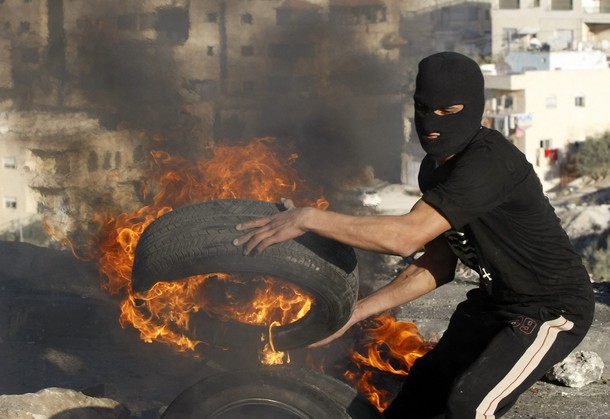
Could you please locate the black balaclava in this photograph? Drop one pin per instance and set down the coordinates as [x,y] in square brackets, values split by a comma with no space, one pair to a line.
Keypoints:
[446,79]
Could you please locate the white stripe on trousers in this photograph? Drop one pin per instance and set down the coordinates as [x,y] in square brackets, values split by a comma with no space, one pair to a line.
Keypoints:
[524,366]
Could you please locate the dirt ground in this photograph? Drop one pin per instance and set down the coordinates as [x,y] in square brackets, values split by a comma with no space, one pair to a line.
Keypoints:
[59,329]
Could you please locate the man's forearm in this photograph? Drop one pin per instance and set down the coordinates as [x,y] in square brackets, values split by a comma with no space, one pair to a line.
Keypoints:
[409,285]
[399,235]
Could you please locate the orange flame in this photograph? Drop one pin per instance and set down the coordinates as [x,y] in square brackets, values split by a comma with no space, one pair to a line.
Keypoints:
[163,313]
[392,348]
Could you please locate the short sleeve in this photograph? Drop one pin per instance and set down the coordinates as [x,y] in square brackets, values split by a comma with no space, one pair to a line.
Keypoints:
[477,184]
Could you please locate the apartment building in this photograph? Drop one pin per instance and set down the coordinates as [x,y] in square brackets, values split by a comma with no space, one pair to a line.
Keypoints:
[447,25]
[186,73]
[550,24]
[16,206]
[549,102]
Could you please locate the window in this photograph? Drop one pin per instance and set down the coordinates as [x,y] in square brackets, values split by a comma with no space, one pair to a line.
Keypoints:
[283,17]
[210,50]
[508,36]
[579,101]
[247,19]
[172,25]
[473,14]
[561,5]
[10,163]
[139,154]
[10,202]
[546,144]
[29,55]
[564,38]
[106,165]
[24,27]
[551,102]
[248,88]
[147,21]
[212,17]
[92,162]
[247,50]
[126,22]
[279,84]
[509,4]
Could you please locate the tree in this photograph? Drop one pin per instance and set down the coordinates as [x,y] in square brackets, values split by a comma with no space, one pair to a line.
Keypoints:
[593,157]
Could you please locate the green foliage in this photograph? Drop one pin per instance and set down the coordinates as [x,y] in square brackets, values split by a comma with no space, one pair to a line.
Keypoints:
[596,258]
[593,157]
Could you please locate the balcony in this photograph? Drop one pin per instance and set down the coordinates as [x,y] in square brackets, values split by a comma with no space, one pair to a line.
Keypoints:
[597,9]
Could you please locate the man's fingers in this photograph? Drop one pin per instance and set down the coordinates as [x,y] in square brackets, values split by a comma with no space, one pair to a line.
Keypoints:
[288,203]
[259,222]
[256,241]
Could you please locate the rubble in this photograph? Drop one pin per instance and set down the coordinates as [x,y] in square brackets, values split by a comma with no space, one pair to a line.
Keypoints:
[578,369]
[49,402]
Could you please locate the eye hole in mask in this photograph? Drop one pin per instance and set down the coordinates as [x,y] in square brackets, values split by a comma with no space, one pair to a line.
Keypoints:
[422,109]
[449,110]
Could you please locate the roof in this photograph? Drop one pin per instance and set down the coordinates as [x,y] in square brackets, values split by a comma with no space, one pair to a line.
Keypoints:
[298,4]
[356,3]
[393,40]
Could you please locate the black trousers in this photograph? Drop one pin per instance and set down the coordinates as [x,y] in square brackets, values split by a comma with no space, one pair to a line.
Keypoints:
[487,357]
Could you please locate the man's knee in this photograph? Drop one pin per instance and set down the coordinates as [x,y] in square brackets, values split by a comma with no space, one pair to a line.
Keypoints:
[467,401]
[460,404]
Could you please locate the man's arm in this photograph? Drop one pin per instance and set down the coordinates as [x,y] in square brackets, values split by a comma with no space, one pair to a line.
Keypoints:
[433,269]
[392,234]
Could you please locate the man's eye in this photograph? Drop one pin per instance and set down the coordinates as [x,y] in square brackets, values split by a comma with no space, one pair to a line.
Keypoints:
[449,110]
[443,111]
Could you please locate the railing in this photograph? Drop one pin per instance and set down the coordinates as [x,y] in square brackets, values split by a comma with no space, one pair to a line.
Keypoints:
[436,6]
[596,9]
[19,229]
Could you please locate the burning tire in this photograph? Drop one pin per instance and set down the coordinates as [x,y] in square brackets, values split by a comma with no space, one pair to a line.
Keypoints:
[197,239]
[272,392]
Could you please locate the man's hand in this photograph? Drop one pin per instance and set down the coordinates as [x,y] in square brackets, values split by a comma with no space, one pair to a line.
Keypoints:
[277,228]
[355,318]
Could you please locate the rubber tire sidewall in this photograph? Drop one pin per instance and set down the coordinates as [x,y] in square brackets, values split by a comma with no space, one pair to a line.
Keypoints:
[312,394]
[197,239]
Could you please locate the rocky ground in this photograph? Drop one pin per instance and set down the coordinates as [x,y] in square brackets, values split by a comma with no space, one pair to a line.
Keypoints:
[59,329]
[585,211]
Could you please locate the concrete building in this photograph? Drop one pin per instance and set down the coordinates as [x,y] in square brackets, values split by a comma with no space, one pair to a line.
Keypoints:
[188,73]
[550,24]
[547,111]
[447,25]
[17,205]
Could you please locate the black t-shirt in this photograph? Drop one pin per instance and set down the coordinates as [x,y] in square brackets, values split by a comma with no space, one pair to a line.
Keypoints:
[504,227]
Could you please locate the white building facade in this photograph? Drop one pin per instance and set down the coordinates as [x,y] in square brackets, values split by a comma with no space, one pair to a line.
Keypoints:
[547,112]
[556,24]
[17,205]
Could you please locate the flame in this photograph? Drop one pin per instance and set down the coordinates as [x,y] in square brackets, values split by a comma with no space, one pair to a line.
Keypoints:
[392,347]
[163,313]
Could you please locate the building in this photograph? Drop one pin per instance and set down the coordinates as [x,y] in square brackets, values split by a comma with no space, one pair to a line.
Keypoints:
[550,24]
[547,110]
[447,25]
[17,205]
[318,72]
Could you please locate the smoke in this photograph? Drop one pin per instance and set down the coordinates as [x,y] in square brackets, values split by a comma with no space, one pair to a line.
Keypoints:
[137,84]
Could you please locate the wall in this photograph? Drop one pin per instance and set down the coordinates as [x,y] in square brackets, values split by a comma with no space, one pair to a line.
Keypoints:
[564,122]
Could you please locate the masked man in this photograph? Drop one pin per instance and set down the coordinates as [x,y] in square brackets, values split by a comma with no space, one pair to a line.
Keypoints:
[482,203]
